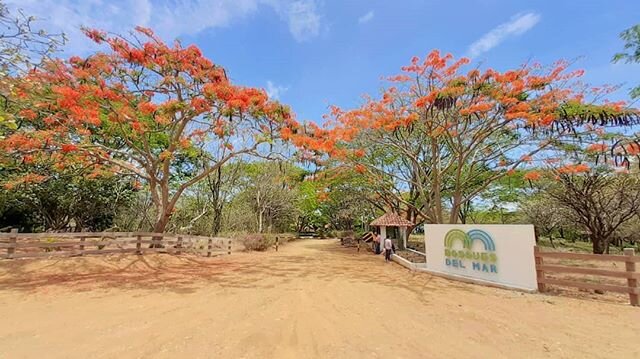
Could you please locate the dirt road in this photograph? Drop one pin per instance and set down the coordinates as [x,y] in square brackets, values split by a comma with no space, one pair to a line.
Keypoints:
[313,299]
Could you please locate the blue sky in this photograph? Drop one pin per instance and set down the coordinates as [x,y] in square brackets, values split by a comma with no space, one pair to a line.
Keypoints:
[313,53]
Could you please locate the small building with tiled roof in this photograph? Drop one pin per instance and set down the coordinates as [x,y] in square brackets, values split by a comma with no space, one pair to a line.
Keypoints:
[393,221]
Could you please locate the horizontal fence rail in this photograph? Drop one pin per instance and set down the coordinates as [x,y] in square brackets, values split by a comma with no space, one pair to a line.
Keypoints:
[33,245]
[630,274]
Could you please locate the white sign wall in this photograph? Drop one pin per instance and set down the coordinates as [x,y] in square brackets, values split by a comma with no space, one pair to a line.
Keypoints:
[500,254]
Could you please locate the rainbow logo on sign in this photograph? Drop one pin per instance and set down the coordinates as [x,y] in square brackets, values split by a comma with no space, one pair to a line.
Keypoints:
[482,260]
[468,238]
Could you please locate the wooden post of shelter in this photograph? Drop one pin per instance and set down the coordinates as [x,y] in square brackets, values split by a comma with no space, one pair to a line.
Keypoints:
[12,243]
[632,282]
[277,243]
[539,271]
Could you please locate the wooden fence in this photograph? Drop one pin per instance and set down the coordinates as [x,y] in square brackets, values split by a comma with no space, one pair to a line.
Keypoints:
[32,245]
[630,274]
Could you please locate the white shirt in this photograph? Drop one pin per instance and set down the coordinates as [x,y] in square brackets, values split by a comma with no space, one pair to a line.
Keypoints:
[388,244]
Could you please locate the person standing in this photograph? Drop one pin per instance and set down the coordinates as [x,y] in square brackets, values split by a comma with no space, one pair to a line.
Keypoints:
[376,243]
[388,249]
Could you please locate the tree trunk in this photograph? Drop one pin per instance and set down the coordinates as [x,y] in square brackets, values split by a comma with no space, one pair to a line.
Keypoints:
[217,221]
[160,226]
[215,185]
[437,196]
[402,237]
[599,245]
[456,207]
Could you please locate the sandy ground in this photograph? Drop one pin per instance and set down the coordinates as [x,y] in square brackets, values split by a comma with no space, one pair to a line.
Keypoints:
[313,299]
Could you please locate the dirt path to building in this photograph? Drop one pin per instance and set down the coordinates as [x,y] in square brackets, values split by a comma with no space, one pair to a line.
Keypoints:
[313,299]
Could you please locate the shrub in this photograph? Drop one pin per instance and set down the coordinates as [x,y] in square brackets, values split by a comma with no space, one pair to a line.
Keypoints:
[257,242]
[347,234]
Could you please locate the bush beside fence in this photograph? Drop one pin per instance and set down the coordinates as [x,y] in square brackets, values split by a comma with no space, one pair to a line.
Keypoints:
[33,245]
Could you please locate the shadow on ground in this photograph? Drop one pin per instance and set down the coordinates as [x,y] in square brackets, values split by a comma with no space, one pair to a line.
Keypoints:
[324,261]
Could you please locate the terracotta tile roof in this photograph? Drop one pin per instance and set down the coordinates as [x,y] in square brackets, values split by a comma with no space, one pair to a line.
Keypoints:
[392,220]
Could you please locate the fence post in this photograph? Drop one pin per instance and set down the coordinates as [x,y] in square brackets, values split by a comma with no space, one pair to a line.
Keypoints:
[209,247]
[539,272]
[358,245]
[276,244]
[179,251]
[138,244]
[82,239]
[632,282]
[12,243]
[229,246]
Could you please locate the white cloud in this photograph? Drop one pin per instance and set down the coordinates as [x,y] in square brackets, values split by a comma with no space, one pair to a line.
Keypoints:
[274,91]
[304,22]
[518,25]
[189,17]
[366,17]
[301,15]
[169,18]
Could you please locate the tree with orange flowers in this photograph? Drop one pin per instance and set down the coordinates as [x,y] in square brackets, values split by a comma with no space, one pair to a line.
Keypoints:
[591,181]
[439,135]
[585,192]
[163,113]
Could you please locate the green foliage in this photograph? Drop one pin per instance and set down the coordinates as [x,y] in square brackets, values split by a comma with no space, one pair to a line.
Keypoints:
[573,109]
[15,212]
[310,213]
[508,189]
[349,201]
[631,54]
[631,37]
[63,203]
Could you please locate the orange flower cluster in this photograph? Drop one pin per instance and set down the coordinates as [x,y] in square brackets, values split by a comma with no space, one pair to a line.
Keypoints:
[532,176]
[147,108]
[632,149]
[574,168]
[597,147]
[526,158]
[68,147]
[360,168]
[140,88]
[480,107]
[28,178]
[527,97]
